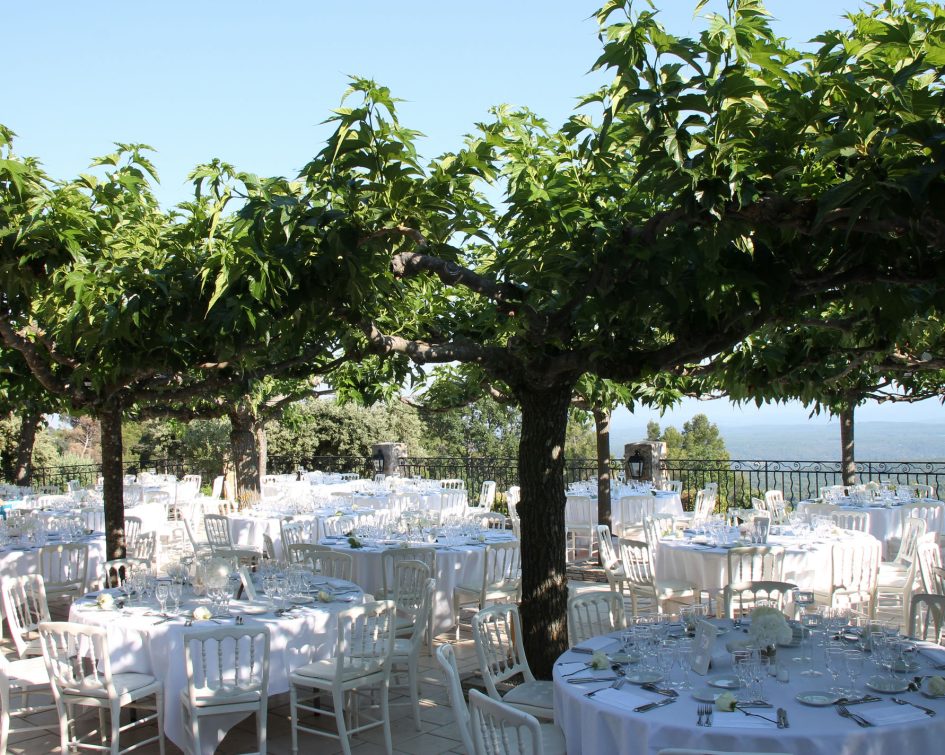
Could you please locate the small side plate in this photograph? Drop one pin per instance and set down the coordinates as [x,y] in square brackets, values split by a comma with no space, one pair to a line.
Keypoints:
[818,698]
[725,682]
[706,694]
[644,677]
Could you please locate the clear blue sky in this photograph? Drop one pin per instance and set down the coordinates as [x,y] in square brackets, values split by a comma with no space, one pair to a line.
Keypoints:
[251,82]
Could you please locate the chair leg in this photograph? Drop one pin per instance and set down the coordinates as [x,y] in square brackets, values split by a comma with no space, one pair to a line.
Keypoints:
[385,715]
[414,684]
[261,728]
[159,706]
[294,717]
[338,700]
[4,729]
[115,720]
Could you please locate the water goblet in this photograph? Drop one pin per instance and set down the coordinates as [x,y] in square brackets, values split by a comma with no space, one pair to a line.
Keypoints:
[174,592]
[162,592]
[835,662]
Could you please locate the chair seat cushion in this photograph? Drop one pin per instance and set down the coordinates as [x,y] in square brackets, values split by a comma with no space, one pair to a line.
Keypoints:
[676,588]
[535,697]
[126,683]
[402,646]
[27,673]
[328,669]
[230,694]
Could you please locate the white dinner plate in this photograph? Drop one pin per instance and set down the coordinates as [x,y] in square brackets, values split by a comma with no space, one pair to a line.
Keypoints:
[725,682]
[250,609]
[887,684]
[707,694]
[644,677]
[819,698]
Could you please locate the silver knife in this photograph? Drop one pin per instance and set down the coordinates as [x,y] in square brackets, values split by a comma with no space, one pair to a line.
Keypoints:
[782,719]
[658,704]
[591,679]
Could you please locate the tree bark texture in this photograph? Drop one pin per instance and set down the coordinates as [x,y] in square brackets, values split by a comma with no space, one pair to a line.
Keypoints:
[541,475]
[602,428]
[243,450]
[262,449]
[847,458]
[29,425]
[113,481]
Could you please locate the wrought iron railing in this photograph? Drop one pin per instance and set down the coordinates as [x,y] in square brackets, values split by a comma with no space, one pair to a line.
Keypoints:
[738,480]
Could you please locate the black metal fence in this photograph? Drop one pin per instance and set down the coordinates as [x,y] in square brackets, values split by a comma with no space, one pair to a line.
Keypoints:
[738,480]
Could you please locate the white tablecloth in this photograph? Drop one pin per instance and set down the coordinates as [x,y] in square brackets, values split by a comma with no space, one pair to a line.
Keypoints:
[807,562]
[607,724]
[140,643]
[15,562]
[454,565]
[885,521]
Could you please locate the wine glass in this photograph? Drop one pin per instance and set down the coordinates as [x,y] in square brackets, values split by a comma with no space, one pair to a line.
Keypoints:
[162,592]
[855,660]
[175,589]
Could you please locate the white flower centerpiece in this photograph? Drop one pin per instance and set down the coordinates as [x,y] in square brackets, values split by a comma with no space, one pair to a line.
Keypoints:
[769,629]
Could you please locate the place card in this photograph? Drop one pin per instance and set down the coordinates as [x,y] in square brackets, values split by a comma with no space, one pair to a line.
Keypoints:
[702,647]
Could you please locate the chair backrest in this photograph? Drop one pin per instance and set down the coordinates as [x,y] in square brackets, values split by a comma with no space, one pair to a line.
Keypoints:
[446,657]
[512,496]
[365,640]
[704,506]
[774,503]
[929,558]
[132,530]
[25,606]
[217,527]
[741,598]
[501,729]
[393,556]
[594,613]
[855,567]
[216,490]
[812,510]
[913,528]
[65,567]
[497,635]
[452,484]
[859,521]
[753,563]
[927,612]
[487,495]
[637,560]
[421,613]
[502,565]
[229,665]
[304,553]
[408,585]
[674,485]
[608,555]
[579,511]
[336,526]
[923,490]
[334,565]
[269,547]
[932,513]
[293,532]
[145,547]
[652,533]
[77,659]
[114,573]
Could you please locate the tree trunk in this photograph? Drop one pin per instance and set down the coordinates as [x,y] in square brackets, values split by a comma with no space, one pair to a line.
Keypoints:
[29,425]
[243,450]
[541,474]
[262,449]
[113,480]
[847,459]
[602,427]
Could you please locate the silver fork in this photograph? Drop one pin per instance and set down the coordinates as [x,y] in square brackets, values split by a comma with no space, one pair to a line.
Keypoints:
[615,684]
[844,711]
[928,711]
[700,711]
[708,714]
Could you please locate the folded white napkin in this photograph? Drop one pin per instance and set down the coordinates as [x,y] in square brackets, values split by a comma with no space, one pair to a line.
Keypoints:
[623,698]
[933,653]
[738,720]
[596,643]
[890,713]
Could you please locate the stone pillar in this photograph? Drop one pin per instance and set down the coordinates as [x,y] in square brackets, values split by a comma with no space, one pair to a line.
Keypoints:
[652,451]
[392,453]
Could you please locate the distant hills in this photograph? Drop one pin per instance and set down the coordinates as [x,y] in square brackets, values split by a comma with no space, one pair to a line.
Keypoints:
[874,441]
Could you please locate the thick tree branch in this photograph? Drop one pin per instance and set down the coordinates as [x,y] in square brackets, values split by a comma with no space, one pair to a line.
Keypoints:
[407,264]
[38,365]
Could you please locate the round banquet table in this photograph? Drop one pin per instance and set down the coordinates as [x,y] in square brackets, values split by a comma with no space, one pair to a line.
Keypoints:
[455,564]
[607,723]
[885,520]
[139,639]
[807,560]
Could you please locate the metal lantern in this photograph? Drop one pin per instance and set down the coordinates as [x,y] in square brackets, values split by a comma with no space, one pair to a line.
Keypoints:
[635,465]
[377,460]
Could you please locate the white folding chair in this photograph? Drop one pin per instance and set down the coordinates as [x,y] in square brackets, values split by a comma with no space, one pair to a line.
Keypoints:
[132,530]
[610,561]
[775,505]
[487,495]
[742,598]
[854,573]
[407,649]
[227,672]
[501,580]
[362,660]
[858,521]
[391,557]
[501,729]
[643,582]
[331,564]
[25,606]
[79,666]
[221,541]
[497,635]
[580,521]
[19,680]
